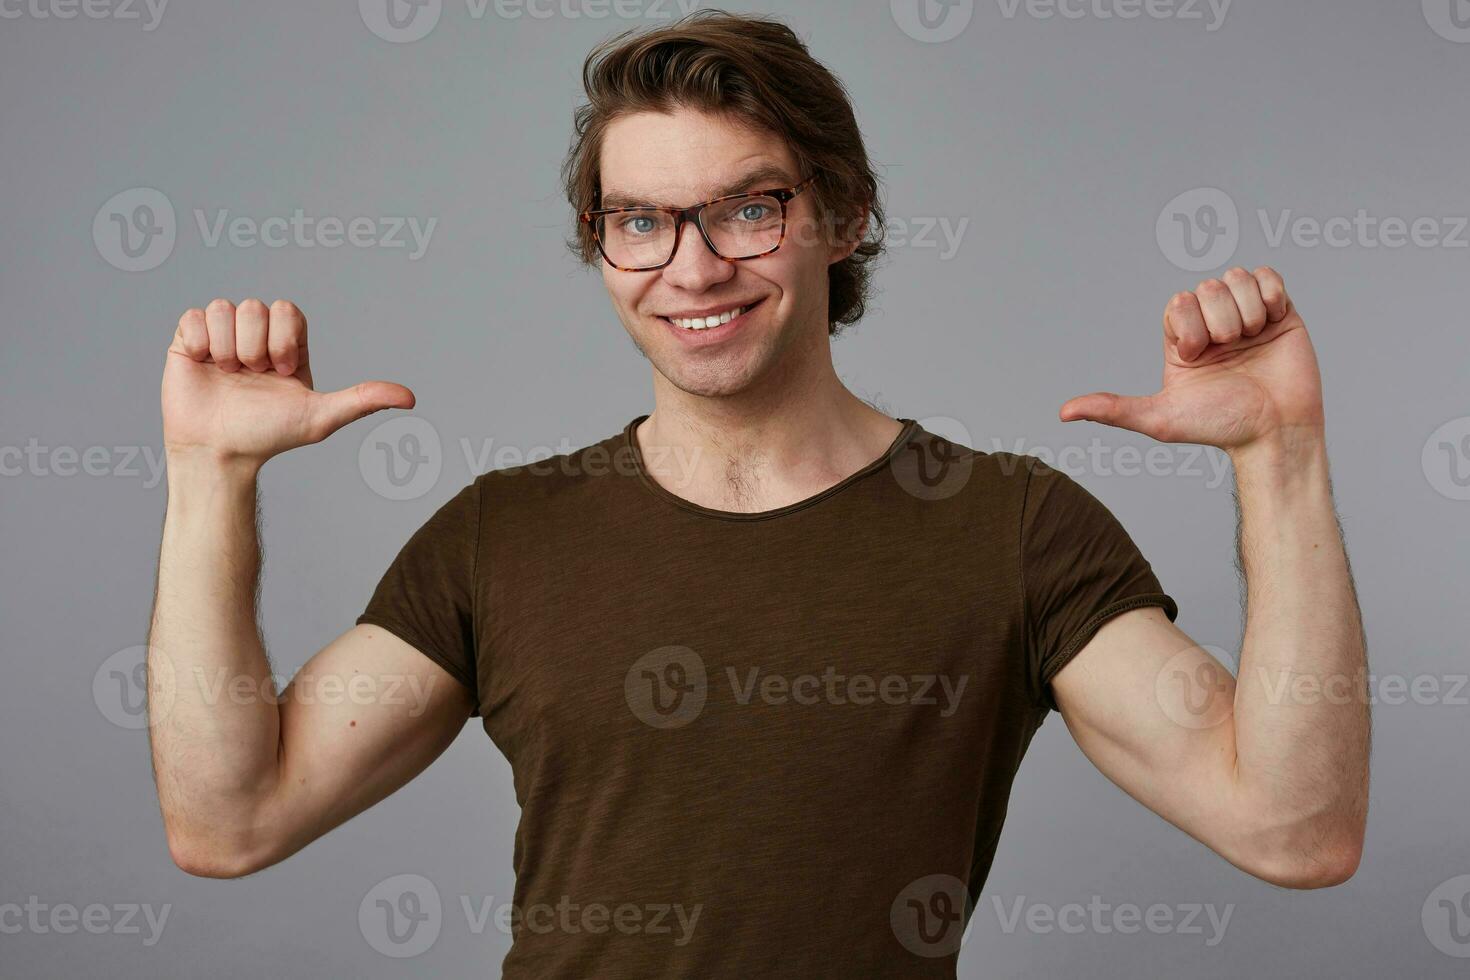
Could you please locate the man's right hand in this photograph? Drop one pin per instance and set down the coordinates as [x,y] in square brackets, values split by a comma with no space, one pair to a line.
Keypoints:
[237,385]
[245,782]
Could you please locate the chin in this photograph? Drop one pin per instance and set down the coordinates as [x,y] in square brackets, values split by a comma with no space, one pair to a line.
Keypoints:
[709,380]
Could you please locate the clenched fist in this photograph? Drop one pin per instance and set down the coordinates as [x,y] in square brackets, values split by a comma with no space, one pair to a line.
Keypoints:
[237,385]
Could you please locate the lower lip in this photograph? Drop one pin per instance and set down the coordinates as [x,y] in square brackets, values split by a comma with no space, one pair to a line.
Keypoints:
[710,335]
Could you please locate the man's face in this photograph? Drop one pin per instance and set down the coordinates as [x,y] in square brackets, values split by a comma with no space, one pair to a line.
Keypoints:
[682,158]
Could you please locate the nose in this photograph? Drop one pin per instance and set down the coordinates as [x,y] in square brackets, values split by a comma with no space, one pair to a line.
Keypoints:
[695,266]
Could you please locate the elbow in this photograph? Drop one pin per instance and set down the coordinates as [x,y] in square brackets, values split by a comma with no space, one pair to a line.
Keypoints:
[212,859]
[217,855]
[1332,862]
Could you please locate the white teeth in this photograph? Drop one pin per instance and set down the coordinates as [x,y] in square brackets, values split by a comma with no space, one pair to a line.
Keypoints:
[705,322]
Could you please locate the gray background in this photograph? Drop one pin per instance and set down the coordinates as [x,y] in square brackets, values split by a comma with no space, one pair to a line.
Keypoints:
[1059,140]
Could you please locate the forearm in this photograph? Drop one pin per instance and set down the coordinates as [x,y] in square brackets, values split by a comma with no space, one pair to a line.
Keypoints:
[1301,714]
[214,722]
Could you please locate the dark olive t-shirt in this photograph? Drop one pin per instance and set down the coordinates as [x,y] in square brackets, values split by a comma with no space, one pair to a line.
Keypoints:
[776,744]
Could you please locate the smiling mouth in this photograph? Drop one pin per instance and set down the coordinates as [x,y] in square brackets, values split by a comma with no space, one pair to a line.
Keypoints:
[708,322]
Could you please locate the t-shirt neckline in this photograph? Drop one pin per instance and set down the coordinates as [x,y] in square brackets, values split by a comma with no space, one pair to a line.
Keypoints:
[630,442]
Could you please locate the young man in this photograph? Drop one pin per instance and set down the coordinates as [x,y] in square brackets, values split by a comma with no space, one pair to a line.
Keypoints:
[766,659]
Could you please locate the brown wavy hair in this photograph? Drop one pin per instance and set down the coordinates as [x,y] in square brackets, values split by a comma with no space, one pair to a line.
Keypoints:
[758,72]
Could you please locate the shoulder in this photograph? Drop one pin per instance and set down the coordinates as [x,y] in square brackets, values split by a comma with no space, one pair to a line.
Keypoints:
[934,465]
[560,479]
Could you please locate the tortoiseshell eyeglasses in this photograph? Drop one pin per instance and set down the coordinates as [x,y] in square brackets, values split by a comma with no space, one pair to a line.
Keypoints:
[735,227]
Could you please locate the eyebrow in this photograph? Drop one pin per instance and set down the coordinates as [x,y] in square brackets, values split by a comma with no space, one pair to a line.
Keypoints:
[761,178]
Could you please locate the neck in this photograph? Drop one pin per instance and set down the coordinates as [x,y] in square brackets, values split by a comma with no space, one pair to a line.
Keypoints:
[780,441]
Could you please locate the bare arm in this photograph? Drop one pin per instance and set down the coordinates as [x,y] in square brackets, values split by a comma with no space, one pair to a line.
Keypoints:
[245,777]
[1270,772]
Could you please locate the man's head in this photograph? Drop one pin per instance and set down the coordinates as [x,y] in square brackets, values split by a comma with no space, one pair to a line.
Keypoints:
[714,105]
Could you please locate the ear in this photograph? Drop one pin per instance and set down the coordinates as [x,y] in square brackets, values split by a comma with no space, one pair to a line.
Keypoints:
[847,245]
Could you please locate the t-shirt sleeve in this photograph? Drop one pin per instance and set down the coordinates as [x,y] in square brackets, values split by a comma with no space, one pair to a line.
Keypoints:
[1079,568]
[427,596]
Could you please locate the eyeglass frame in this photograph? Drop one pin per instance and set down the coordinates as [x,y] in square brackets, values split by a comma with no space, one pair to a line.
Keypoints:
[693,215]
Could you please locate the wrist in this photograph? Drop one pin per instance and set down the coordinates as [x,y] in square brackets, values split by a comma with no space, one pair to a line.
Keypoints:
[1284,457]
[200,467]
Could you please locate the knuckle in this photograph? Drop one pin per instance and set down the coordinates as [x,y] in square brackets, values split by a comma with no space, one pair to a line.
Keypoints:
[220,306]
[1214,286]
[1237,274]
[251,307]
[284,307]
